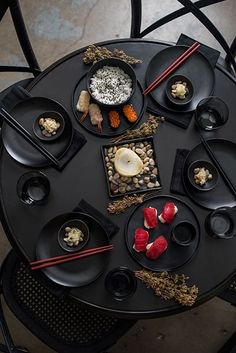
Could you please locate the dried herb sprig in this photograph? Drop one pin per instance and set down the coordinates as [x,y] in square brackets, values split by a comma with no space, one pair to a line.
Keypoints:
[94,54]
[148,128]
[119,206]
[169,286]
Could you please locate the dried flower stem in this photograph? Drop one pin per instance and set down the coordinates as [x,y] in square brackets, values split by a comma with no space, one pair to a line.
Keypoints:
[148,128]
[169,286]
[119,206]
[94,54]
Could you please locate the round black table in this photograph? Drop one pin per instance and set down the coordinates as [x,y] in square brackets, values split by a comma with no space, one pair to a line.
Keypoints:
[213,265]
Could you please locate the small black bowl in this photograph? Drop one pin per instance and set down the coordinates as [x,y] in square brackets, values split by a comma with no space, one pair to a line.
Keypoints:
[76,223]
[220,223]
[177,101]
[33,188]
[121,283]
[54,115]
[210,184]
[183,233]
[116,63]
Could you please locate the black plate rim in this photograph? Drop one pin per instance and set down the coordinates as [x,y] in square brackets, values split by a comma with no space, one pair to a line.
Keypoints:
[185,180]
[182,109]
[51,277]
[198,226]
[46,162]
[114,134]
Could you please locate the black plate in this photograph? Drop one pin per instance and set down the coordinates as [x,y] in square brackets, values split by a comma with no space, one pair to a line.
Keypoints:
[138,100]
[79,272]
[196,68]
[25,113]
[221,195]
[175,256]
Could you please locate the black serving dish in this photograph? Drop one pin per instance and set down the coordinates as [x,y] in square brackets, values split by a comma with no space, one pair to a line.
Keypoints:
[54,115]
[175,256]
[143,188]
[183,233]
[76,223]
[81,271]
[220,196]
[189,95]
[115,63]
[33,188]
[25,113]
[121,283]
[138,100]
[197,68]
[221,223]
[210,184]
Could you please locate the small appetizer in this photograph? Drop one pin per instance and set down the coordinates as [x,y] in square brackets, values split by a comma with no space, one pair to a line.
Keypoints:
[114,119]
[96,116]
[140,239]
[83,104]
[150,217]
[49,126]
[201,176]
[168,213]
[130,113]
[155,249]
[127,163]
[73,236]
[179,90]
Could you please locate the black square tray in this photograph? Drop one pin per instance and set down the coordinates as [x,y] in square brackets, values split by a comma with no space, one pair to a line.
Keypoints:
[135,191]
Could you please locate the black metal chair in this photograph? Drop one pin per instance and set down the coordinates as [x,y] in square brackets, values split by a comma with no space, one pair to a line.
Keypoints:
[188,6]
[18,21]
[229,295]
[64,324]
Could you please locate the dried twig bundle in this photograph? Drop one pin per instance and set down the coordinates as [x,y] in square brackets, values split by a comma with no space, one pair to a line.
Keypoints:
[94,54]
[148,128]
[169,286]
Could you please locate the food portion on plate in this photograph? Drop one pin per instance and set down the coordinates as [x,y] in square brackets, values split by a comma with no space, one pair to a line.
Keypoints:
[161,246]
[73,236]
[110,85]
[131,167]
[49,126]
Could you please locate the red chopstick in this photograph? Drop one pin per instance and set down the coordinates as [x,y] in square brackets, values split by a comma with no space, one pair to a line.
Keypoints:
[36,265]
[172,67]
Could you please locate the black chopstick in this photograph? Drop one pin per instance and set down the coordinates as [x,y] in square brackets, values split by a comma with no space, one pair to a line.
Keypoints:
[26,135]
[218,165]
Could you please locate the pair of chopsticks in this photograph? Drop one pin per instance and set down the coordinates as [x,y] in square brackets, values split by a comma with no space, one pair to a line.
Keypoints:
[182,58]
[218,165]
[57,260]
[8,118]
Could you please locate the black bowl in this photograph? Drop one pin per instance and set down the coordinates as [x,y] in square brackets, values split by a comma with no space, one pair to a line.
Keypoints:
[33,188]
[210,184]
[77,223]
[54,115]
[177,101]
[220,223]
[183,233]
[120,283]
[116,63]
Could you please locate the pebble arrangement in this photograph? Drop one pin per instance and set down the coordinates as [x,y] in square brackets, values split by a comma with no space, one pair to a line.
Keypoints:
[148,178]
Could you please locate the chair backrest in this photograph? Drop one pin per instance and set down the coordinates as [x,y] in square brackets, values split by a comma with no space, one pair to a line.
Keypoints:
[188,6]
[22,35]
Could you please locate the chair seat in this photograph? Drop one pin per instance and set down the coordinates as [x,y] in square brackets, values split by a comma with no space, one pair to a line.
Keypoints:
[63,324]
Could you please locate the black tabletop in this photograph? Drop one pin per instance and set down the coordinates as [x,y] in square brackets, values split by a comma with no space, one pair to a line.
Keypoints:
[214,263]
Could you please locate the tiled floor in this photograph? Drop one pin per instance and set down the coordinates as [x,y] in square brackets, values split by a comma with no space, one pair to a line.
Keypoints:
[58,27]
